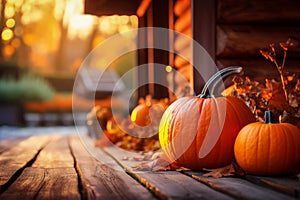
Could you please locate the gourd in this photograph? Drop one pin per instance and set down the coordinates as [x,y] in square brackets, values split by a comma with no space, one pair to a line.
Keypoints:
[268,148]
[199,131]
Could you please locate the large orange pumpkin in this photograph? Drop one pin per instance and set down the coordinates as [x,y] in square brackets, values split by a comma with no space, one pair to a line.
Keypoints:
[199,132]
[268,148]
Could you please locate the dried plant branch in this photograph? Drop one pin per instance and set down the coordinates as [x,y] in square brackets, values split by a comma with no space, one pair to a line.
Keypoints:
[271,55]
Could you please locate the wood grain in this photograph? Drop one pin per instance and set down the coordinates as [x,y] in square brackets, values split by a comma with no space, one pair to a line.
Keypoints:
[104,178]
[165,184]
[180,6]
[180,62]
[238,188]
[259,69]
[184,21]
[245,41]
[259,12]
[18,157]
[287,185]
[183,42]
[44,183]
[9,143]
[56,154]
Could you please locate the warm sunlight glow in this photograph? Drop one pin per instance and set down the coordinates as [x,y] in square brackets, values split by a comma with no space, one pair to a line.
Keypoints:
[10,23]
[9,11]
[106,27]
[8,50]
[134,21]
[28,39]
[18,3]
[73,7]
[7,34]
[55,35]
[81,26]
[16,42]
[169,68]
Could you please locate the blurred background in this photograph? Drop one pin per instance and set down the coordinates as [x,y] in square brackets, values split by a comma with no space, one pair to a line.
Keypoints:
[43,44]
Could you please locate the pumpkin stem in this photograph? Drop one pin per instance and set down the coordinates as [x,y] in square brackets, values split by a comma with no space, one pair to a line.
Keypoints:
[209,87]
[269,117]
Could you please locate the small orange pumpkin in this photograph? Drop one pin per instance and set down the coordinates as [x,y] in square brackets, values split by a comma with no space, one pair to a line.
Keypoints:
[199,132]
[268,148]
[140,114]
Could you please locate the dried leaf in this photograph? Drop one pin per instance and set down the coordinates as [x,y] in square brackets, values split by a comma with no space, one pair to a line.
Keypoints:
[161,163]
[155,165]
[229,170]
[287,44]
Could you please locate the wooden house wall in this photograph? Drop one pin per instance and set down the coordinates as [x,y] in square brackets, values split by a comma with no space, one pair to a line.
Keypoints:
[233,32]
[244,27]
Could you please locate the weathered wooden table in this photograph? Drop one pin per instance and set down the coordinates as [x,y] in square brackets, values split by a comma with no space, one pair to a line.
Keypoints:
[60,167]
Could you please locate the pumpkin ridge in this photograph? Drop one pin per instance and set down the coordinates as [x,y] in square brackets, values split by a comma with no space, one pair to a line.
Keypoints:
[181,132]
[198,142]
[289,143]
[258,147]
[207,106]
[170,129]
[235,110]
[219,147]
[164,132]
[269,148]
[194,144]
[285,150]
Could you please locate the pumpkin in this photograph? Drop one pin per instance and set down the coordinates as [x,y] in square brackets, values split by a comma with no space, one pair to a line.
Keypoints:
[140,114]
[199,131]
[268,148]
[148,111]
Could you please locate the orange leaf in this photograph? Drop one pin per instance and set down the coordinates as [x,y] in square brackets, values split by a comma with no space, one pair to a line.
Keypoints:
[229,170]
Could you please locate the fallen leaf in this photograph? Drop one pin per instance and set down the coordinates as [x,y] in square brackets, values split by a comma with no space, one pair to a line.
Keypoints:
[160,163]
[227,171]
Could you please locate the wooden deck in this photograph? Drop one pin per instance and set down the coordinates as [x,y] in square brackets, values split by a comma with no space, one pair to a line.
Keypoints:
[60,167]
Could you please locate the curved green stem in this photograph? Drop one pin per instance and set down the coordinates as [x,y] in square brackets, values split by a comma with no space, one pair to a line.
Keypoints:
[209,88]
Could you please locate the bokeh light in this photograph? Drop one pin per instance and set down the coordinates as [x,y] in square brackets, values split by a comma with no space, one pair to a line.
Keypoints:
[10,23]
[7,34]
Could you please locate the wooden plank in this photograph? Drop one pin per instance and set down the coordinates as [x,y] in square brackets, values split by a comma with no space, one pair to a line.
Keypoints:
[184,21]
[104,178]
[287,185]
[9,143]
[246,41]
[185,53]
[165,184]
[259,12]
[56,154]
[238,188]
[51,176]
[180,6]
[20,156]
[187,32]
[44,183]
[180,62]
[186,71]
[183,42]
